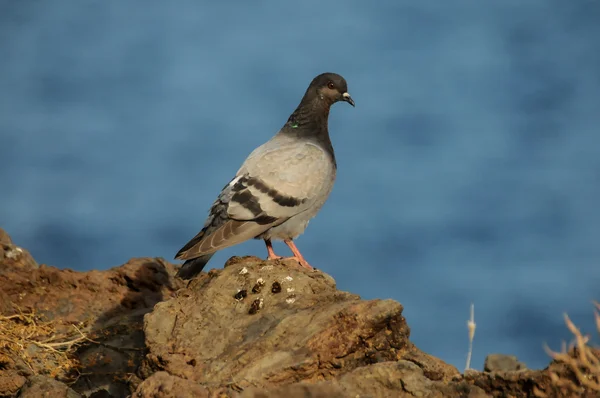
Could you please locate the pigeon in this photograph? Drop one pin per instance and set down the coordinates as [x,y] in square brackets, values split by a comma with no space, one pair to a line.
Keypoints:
[280,186]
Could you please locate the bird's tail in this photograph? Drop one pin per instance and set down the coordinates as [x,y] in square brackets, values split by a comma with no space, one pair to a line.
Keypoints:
[194,266]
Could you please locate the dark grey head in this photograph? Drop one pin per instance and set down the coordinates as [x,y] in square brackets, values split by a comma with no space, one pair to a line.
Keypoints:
[329,88]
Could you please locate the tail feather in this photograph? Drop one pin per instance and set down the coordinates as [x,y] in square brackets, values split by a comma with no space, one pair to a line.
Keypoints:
[194,266]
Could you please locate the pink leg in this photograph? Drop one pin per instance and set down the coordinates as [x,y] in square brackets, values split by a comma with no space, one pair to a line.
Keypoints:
[297,254]
[270,251]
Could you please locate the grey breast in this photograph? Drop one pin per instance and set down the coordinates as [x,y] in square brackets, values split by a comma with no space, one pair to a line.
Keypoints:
[299,170]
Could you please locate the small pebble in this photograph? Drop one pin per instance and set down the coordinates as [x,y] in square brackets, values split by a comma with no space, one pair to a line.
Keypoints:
[502,363]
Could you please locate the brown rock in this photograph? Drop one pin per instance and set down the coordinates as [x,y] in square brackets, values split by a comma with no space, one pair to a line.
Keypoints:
[12,256]
[386,379]
[98,296]
[46,387]
[403,379]
[11,380]
[4,238]
[310,331]
[163,385]
[298,390]
[108,306]
[308,340]
[291,333]
[502,363]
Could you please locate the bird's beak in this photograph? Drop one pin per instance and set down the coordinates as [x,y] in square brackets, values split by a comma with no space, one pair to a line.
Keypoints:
[346,97]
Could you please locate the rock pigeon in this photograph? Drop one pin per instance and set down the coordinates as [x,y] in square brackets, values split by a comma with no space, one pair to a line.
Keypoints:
[280,186]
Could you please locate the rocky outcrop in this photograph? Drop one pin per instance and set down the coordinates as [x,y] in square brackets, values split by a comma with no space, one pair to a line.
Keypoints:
[14,257]
[253,329]
[263,324]
[83,328]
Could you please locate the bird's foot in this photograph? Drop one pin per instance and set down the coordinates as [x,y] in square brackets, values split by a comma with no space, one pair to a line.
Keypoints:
[303,263]
[297,255]
[274,257]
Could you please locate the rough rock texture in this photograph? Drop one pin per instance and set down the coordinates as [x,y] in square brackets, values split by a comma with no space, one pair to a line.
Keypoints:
[254,329]
[42,386]
[163,385]
[306,330]
[387,379]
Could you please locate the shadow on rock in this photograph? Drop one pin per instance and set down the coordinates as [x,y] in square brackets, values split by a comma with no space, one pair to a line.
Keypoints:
[110,362]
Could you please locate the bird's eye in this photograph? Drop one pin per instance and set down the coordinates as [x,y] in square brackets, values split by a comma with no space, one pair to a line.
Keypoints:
[330,85]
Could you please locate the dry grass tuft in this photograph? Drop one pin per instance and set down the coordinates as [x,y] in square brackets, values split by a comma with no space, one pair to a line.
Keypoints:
[580,359]
[28,339]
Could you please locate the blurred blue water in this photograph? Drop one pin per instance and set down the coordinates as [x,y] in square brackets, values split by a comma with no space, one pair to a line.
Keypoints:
[468,172]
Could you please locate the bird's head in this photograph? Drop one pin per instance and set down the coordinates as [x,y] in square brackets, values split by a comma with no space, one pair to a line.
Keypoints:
[331,88]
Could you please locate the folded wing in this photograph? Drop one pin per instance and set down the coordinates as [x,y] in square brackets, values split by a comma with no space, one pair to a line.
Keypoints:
[271,186]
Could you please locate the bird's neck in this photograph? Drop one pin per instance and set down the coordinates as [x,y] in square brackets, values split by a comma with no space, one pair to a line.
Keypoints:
[310,120]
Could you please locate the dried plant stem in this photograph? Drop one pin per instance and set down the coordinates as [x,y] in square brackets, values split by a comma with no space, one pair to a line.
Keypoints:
[581,359]
[471,326]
